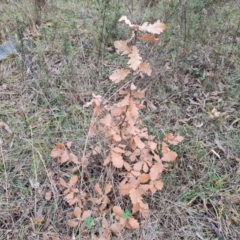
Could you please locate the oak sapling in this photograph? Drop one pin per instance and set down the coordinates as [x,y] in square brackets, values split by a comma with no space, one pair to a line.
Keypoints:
[129,150]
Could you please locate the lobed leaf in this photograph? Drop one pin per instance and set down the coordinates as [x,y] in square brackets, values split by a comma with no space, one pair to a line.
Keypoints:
[173,140]
[98,189]
[119,75]
[73,180]
[117,159]
[148,38]
[135,59]
[133,223]
[155,28]
[143,178]
[122,47]
[126,20]
[145,68]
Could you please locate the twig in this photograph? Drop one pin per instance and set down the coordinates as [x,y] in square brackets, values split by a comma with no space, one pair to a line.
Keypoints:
[5,171]
[215,229]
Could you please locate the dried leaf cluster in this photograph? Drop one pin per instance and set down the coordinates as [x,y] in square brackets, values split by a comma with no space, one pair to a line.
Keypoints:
[136,157]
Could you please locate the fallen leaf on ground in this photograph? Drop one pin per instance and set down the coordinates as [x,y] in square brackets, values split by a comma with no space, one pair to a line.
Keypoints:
[173,140]
[48,195]
[145,68]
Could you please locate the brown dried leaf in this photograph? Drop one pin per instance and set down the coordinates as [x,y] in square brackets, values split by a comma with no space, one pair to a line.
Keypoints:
[94,237]
[133,223]
[77,212]
[98,189]
[105,201]
[63,183]
[116,137]
[97,112]
[73,180]
[126,20]
[56,153]
[119,75]
[69,144]
[148,38]
[107,160]
[145,68]
[135,208]
[178,139]
[152,145]
[92,130]
[158,185]
[104,223]
[173,140]
[117,211]
[124,102]
[139,94]
[143,178]
[108,188]
[135,59]
[86,214]
[118,150]
[124,189]
[107,120]
[169,157]
[48,195]
[116,227]
[145,167]
[73,158]
[97,200]
[165,148]
[152,188]
[155,28]
[117,160]
[135,173]
[144,209]
[154,172]
[96,150]
[122,47]
[65,156]
[117,111]
[58,150]
[133,87]
[138,142]
[69,197]
[72,223]
[127,166]
[138,166]
[135,195]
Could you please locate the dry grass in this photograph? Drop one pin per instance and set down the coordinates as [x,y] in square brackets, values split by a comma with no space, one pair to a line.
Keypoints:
[196,69]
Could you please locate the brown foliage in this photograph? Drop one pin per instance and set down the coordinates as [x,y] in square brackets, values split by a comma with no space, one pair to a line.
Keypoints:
[128,148]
